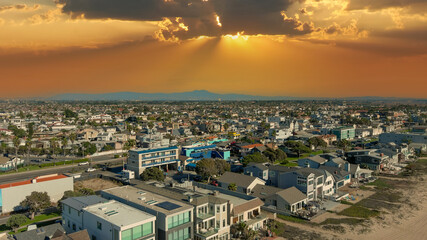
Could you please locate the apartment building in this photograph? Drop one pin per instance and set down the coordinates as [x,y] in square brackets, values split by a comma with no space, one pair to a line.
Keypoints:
[174,219]
[164,158]
[211,214]
[344,133]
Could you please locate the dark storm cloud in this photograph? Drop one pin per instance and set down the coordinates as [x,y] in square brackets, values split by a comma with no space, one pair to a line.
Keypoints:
[381,4]
[250,16]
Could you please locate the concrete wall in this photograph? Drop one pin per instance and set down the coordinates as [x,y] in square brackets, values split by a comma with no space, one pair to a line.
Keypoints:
[12,196]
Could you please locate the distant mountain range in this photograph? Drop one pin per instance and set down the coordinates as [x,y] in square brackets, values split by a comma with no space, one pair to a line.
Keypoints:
[198,95]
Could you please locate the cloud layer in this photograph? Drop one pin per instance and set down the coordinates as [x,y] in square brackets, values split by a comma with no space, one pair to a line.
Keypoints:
[185,19]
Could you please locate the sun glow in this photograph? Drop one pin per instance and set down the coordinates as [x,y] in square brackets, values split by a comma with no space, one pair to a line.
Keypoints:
[218,22]
[239,35]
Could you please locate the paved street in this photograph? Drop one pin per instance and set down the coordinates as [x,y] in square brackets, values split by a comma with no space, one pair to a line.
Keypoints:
[12,177]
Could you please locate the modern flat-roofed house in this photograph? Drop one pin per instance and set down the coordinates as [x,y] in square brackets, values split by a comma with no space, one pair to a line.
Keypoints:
[211,213]
[117,221]
[367,159]
[244,183]
[72,208]
[11,194]
[174,219]
[164,158]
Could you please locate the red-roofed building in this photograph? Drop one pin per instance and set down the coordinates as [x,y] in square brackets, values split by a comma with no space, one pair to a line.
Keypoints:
[11,194]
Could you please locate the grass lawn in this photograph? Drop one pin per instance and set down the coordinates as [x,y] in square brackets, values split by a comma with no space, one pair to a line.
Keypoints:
[292,219]
[36,219]
[290,164]
[359,212]
[42,217]
[380,184]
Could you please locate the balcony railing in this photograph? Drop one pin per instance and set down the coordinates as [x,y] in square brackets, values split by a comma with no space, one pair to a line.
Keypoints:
[160,163]
[159,156]
[204,216]
[207,232]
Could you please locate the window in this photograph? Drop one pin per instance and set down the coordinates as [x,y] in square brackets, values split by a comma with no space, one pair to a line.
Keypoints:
[223,208]
[69,210]
[99,225]
[74,227]
[68,223]
[93,237]
[217,209]
[147,229]
[223,223]
[179,219]
[127,234]
[137,232]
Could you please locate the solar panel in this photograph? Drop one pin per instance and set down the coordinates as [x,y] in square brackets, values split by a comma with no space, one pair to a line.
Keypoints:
[168,205]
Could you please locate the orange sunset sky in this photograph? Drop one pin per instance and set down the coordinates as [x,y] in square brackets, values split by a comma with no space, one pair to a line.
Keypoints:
[310,48]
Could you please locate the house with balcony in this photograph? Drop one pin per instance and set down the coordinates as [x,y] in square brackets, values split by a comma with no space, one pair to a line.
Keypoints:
[308,180]
[110,220]
[164,158]
[174,219]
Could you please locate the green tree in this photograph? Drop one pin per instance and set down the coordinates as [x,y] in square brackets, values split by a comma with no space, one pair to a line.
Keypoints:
[206,168]
[255,157]
[35,202]
[221,166]
[15,221]
[152,174]
[343,144]
[30,130]
[70,114]
[232,187]
[20,133]
[89,148]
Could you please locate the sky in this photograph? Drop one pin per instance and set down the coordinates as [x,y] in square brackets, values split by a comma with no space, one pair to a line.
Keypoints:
[301,48]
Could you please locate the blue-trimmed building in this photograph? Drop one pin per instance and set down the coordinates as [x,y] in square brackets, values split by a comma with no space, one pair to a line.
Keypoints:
[164,158]
[196,153]
[210,151]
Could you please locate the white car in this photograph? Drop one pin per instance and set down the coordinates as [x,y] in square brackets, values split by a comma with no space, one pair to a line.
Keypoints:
[90,169]
[83,163]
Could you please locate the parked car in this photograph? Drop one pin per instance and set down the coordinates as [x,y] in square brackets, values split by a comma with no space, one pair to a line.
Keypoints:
[83,163]
[90,169]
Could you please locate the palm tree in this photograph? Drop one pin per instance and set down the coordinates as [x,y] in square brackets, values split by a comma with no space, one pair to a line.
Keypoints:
[53,145]
[28,144]
[16,143]
[232,187]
